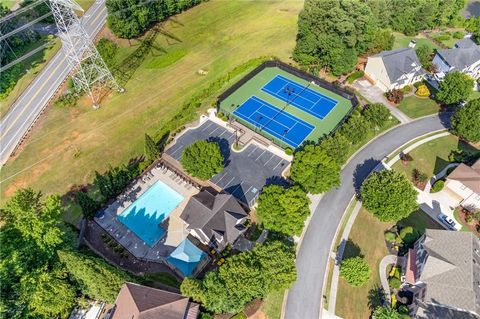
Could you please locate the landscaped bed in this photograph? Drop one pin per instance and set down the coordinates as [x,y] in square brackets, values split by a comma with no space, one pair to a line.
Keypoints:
[432,157]
[353,302]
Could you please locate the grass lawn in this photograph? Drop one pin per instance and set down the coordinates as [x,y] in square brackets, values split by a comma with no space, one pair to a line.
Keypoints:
[163,278]
[402,41]
[68,145]
[353,302]
[474,95]
[30,68]
[272,304]
[451,41]
[431,157]
[415,107]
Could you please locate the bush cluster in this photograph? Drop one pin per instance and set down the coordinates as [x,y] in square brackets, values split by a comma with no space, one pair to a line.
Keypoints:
[438,186]
[355,271]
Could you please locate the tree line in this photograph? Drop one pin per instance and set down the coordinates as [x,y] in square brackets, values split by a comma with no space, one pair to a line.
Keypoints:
[129,19]
[42,274]
[333,33]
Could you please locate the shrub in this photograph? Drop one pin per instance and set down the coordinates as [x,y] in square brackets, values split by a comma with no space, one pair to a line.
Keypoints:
[394,282]
[288,151]
[438,186]
[406,89]
[107,49]
[377,114]
[419,177]
[66,100]
[355,270]
[450,169]
[423,91]
[468,217]
[443,37]
[408,235]
[222,116]
[395,96]
[355,76]
[417,84]
[458,35]
[390,236]
[203,159]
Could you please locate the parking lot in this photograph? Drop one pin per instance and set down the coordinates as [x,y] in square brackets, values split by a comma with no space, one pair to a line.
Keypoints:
[245,172]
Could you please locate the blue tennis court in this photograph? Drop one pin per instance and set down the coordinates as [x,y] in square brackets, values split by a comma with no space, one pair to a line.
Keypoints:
[274,121]
[300,96]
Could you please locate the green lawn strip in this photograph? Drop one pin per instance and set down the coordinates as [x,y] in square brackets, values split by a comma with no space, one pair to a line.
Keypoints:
[272,304]
[163,278]
[254,85]
[70,144]
[402,41]
[367,239]
[400,149]
[432,157]
[415,107]
[31,67]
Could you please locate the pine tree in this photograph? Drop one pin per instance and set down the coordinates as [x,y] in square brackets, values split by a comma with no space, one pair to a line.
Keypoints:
[151,150]
[89,205]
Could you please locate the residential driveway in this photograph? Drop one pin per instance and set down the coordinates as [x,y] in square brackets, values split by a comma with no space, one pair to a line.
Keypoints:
[245,172]
[375,95]
[305,297]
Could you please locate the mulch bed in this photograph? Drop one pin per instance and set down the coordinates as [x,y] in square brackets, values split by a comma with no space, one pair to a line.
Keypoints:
[472,226]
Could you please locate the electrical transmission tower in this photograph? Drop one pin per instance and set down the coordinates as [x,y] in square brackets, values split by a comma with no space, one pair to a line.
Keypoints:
[91,74]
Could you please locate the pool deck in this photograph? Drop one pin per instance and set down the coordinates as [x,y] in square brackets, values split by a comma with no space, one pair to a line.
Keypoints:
[175,228]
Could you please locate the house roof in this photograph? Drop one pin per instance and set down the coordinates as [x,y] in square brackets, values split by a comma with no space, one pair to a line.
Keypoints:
[140,302]
[214,214]
[468,175]
[399,62]
[451,270]
[463,54]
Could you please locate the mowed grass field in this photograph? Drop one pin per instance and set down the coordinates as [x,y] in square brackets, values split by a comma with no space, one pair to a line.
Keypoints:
[68,145]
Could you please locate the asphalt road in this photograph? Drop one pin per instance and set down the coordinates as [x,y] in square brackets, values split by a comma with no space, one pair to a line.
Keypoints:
[304,298]
[21,116]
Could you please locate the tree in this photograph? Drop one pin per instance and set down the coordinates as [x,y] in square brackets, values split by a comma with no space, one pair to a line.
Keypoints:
[388,195]
[203,159]
[88,205]
[314,170]
[337,147]
[377,114]
[355,271]
[33,283]
[107,49]
[455,87]
[466,121]
[282,209]
[424,54]
[243,277]
[151,150]
[95,278]
[385,313]
[356,129]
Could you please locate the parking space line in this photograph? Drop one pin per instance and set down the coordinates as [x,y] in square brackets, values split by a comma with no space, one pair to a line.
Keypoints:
[209,124]
[273,155]
[277,164]
[260,155]
[218,182]
[226,185]
[254,149]
[233,191]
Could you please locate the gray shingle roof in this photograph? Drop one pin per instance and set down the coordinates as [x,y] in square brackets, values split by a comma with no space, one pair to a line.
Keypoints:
[399,62]
[214,214]
[452,269]
[463,54]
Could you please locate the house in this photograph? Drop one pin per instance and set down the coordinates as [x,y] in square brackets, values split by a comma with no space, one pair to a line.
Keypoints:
[443,275]
[463,57]
[394,69]
[464,183]
[140,302]
[216,219]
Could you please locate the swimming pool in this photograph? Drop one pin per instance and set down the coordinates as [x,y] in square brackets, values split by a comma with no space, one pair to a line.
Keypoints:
[144,216]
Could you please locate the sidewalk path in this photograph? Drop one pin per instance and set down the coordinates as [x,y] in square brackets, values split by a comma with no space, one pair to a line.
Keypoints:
[387,260]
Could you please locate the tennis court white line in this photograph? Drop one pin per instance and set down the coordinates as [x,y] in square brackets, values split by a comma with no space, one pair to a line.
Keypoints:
[291,117]
[273,120]
[297,95]
[313,91]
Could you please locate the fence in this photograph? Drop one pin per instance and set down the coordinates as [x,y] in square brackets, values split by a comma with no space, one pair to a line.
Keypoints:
[342,91]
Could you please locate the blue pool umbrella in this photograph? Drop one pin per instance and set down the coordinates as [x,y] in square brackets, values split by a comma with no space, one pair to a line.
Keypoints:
[186,257]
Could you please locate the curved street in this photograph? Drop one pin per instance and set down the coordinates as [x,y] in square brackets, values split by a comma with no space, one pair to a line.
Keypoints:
[305,297]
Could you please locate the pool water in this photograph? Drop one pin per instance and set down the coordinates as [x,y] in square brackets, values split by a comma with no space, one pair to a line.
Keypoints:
[144,216]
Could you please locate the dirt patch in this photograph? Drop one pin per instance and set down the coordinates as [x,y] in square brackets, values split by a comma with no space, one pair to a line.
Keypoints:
[253,308]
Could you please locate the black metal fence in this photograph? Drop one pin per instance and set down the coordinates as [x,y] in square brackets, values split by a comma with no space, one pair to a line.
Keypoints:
[337,89]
